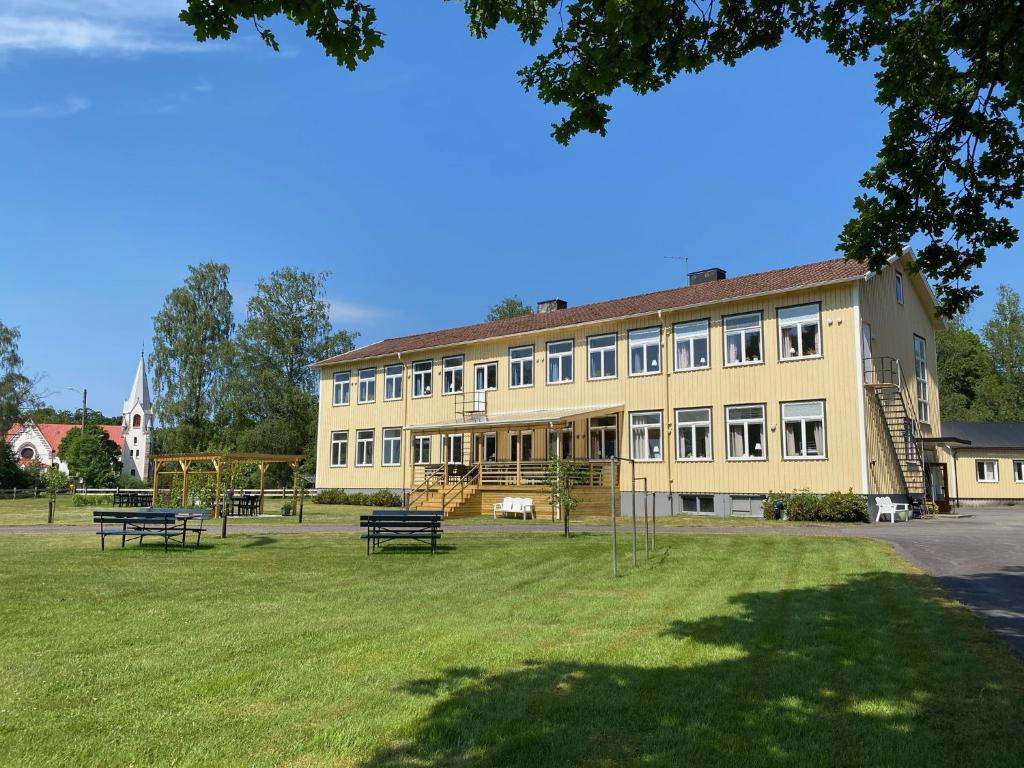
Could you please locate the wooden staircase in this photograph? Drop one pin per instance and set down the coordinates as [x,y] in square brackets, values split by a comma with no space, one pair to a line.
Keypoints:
[435,496]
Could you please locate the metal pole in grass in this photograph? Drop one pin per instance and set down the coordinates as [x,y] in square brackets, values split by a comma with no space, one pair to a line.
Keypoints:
[632,507]
[647,531]
[615,535]
[654,523]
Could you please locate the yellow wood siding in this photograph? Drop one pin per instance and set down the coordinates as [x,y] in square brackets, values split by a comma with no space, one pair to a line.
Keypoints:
[964,483]
[832,378]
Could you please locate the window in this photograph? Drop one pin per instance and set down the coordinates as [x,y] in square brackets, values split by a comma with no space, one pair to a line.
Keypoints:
[698,505]
[601,357]
[455,449]
[803,427]
[988,471]
[559,362]
[520,366]
[1018,471]
[422,373]
[488,442]
[644,351]
[693,434]
[137,420]
[799,332]
[743,339]
[523,440]
[339,449]
[421,449]
[560,443]
[691,341]
[645,429]
[367,385]
[745,425]
[391,437]
[451,374]
[342,385]
[486,375]
[28,453]
[899,288]
[910,440]
[364,448]
[393,382]
[135,441]
[604,437]
[921,374]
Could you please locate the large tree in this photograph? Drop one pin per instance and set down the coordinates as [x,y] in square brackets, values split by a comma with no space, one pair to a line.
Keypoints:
[511,306]
[191,359]
[947,78]
[91,455]
[273,389]
[1001,397]
[16,389]
[963,366]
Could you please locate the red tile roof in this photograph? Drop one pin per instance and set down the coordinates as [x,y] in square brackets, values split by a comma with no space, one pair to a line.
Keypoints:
[775,281]
[53,434]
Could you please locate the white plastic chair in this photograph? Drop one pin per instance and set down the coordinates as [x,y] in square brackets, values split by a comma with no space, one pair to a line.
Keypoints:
[887,507]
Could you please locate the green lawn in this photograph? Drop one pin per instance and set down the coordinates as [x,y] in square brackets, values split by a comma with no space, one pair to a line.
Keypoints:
[31,511]
[299,650]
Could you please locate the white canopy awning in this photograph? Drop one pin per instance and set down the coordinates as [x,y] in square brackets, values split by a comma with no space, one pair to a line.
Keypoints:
[514,418]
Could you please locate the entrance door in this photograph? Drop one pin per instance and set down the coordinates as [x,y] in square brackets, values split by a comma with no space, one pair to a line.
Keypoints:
[938,487]
[523,440]
[604,437]
[485,447]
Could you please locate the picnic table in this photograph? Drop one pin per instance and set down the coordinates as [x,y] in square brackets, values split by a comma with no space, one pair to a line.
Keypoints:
[133,498]
[388,525]
[168,523]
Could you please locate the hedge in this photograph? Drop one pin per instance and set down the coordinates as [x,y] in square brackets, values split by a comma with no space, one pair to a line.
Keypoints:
[381,498]
[805,506]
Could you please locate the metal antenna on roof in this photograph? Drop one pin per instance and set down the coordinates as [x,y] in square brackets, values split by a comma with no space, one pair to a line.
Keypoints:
[686,265]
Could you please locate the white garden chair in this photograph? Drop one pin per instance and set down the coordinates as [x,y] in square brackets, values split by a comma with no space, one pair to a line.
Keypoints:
[887,507]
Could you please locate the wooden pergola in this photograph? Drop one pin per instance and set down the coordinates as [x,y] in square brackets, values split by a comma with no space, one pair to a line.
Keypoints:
[223,463]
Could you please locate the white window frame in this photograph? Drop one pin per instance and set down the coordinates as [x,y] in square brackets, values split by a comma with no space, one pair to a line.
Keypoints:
[1018,470]
[371,385]
[342,385]
[685,334]
[799,322]
[422,378]
[393,378]
[899,287]
[979,463]
[921,379]
[601,430]
[522,364]
[645,429]
[339,439]
[456,366]
[691,427]
[451,438]
[803,421]
[746,422]
[361,453]
[561,357]
[600,353]
[476,376]
[391,447]
[743,332]
[421,449]
[640,339]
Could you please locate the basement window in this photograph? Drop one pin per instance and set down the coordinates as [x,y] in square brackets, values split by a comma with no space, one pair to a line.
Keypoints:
[698,505]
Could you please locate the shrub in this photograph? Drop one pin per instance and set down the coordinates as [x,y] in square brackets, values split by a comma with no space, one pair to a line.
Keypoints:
[81,500]
[384,498]
[330,496]
[381,498]
[805,506]
[286,510]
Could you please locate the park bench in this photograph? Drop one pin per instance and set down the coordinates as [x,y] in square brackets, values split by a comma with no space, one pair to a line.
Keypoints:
[133,498]
[385,525]
[149,522]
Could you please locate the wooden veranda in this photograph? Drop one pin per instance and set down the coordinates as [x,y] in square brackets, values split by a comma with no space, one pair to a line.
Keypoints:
[223,464]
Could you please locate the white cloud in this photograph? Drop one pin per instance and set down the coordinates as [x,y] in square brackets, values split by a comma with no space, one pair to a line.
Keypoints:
[176,101]
[346,311]
[99,26]
[69,105]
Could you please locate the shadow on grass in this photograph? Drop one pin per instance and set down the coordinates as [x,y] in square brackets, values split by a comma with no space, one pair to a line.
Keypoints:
[259,541]
[406,548]
[861,673]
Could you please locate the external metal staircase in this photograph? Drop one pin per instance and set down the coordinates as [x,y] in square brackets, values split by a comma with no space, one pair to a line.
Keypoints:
[883,376]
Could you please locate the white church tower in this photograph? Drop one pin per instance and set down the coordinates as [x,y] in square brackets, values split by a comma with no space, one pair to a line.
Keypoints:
[137,427]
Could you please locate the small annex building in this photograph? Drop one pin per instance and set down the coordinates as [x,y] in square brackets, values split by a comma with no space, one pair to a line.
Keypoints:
[981,462]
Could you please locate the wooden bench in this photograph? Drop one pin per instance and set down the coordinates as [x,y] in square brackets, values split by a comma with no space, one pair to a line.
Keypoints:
[168,524]
[384,525]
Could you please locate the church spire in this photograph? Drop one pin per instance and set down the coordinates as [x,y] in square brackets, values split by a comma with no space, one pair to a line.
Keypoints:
[140,389]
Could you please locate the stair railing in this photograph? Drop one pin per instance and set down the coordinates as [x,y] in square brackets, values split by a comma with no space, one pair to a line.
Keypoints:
[431,476]
[458,488]
[887,373]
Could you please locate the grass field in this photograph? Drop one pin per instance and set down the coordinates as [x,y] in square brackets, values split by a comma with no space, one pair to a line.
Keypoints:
[31,511]
[299,650]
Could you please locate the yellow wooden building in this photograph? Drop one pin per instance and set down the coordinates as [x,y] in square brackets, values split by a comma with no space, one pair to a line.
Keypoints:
[979,463]
[819,377]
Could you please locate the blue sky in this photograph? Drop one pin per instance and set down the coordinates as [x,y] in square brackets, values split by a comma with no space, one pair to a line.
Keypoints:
[425,182]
